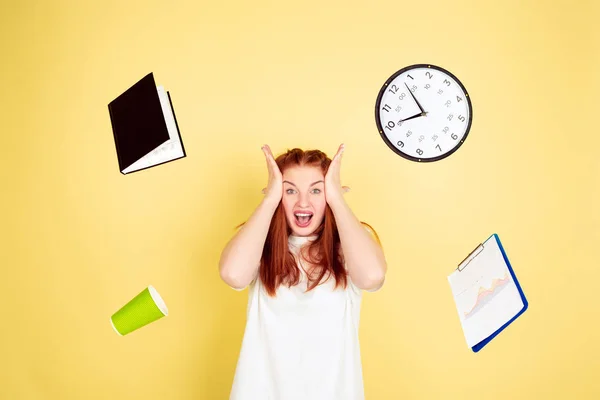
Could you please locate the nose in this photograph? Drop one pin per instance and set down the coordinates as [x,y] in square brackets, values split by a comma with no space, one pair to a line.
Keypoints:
[303,200]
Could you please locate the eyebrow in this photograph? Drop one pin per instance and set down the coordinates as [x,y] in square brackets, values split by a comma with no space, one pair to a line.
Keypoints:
[312,184]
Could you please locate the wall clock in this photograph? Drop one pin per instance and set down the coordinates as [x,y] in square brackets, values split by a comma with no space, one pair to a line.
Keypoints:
[423,113]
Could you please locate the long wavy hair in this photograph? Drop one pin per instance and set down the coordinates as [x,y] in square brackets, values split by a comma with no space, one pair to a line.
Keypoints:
[277,264]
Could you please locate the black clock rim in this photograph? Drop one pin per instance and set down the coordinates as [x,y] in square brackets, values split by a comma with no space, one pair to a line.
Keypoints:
[380,127]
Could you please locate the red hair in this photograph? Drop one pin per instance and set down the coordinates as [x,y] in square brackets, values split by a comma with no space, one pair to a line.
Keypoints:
[277,264]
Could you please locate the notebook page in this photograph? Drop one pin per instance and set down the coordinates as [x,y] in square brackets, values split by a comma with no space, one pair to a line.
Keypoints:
[171,147]
[485,294]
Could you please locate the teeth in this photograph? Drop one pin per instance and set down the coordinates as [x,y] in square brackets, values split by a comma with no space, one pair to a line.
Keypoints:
[303,215]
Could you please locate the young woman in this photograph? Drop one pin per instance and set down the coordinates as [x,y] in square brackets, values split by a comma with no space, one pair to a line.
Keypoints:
[306,260]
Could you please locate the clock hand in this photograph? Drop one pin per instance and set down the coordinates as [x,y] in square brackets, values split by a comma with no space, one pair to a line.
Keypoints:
[423,112]
[414,116]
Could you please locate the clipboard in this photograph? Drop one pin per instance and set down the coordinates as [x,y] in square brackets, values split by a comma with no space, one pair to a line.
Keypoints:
[487,294]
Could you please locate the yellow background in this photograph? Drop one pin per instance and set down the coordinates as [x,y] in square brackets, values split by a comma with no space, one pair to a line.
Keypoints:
[79,239]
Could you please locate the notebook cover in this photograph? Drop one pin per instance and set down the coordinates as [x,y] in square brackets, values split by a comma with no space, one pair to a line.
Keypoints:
[180,140]
[485,341]
[137,121]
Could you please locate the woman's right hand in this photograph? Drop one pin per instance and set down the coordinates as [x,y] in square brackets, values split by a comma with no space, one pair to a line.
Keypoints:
[274,189]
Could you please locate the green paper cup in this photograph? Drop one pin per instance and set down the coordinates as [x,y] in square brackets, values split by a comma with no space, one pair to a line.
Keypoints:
[143,309]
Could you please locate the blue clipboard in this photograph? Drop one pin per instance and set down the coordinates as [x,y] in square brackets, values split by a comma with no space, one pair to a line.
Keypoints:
[473,254]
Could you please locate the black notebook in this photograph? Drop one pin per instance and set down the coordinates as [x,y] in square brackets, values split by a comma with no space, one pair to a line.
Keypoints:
[144,127]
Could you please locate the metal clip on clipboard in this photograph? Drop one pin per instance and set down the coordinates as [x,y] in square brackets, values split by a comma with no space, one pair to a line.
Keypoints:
[463,264]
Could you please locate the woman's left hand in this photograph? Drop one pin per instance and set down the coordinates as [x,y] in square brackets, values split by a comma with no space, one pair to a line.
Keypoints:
[333,187]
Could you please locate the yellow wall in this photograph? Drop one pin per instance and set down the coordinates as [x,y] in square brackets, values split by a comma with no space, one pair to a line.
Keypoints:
[79,239]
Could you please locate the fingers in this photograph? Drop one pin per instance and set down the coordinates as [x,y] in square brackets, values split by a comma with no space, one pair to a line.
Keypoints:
[265,150]
[269,156]
[274,172]
[336,159]
[340,151]
[268,152]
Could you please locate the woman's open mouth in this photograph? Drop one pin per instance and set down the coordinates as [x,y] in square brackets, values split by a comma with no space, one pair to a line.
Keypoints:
[303,218]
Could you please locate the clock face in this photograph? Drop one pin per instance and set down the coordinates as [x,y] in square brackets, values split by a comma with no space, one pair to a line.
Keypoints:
[423,113]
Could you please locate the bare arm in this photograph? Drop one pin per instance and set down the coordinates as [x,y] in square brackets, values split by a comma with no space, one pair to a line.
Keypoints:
[240,258]
[363,255]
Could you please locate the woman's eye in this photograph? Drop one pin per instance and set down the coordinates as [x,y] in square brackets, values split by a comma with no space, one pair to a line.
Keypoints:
[317,191]
[290,191]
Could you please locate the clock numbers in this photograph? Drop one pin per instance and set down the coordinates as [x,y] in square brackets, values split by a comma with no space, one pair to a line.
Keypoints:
[423,112]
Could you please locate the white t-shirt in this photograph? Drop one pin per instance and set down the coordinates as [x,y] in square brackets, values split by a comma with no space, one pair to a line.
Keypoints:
[300,345]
